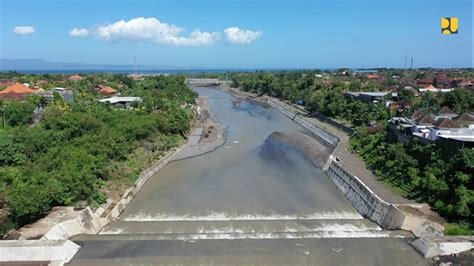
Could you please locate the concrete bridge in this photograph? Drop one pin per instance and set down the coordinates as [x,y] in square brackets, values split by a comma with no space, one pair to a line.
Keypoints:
[204,82]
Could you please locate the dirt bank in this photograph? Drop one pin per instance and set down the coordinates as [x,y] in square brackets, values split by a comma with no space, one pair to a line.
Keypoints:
[208,133]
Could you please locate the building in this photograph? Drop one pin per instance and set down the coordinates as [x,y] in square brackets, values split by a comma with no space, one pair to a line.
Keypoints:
[372,97]
[125,102]
[66,94]
[17,88]
[429,128]
[75,78]
[107,90]
[13,96]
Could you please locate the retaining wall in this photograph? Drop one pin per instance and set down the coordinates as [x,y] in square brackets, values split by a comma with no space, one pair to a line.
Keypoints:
[364,200]
[333,122]
[319,133]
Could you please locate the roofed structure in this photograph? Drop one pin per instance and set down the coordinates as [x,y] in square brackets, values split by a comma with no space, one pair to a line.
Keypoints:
[466,117]
[446,123]
[17,88]
[13,96]
[107,90]
[417,114]
[446,111]
[75,78]
[426,119]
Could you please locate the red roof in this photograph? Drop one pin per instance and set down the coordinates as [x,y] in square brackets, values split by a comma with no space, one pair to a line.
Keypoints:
[427,86]
[75,77]
[372,76]
[107,90]
[425,81]
[17,88]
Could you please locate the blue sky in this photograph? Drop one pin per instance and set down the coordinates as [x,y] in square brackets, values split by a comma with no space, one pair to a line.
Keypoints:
[270,34]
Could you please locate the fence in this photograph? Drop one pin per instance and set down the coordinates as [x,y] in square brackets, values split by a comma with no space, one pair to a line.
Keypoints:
[319,133]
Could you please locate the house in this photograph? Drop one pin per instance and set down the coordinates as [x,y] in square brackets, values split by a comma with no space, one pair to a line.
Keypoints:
[66,94]
[429,87]
[107,90]
[75,78]
[6,83]
[445,112]
[429,128]
[372,97]
[464,118]
[13,96]
[17,88]
[125,102]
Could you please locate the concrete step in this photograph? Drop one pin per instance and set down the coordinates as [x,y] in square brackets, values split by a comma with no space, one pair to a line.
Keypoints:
[243,227]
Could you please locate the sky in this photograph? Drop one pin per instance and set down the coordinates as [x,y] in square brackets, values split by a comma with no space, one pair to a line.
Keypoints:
[238,34]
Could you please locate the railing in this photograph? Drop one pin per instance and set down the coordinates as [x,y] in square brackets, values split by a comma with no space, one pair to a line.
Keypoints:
[319,133]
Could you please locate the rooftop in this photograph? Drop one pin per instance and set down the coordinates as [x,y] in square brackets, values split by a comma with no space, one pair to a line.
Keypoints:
[17,88]
[446,123]
[113,100]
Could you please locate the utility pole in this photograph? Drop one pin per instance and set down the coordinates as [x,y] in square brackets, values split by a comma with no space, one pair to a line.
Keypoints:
[411,65]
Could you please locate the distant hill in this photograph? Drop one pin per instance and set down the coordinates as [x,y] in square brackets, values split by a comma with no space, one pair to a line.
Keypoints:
[40,64]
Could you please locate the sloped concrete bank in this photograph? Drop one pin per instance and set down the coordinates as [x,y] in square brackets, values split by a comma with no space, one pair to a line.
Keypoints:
[319,133]
[364,200]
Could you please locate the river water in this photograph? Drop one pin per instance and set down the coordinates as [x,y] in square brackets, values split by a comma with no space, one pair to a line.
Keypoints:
[243,205]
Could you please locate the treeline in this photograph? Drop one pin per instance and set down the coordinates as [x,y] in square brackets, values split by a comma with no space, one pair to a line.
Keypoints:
[73,153]
[425,173]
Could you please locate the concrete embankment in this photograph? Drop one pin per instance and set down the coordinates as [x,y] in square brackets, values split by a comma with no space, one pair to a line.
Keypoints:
[319,133]
[366,202]
[430,240]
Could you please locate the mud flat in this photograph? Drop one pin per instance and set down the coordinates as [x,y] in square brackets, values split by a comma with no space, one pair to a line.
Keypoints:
[208,133]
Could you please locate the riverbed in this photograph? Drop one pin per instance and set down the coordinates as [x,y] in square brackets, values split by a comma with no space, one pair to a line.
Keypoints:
[242,204]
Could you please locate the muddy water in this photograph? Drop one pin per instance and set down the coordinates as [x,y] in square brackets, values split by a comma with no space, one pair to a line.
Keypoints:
[241,204]
[236,181]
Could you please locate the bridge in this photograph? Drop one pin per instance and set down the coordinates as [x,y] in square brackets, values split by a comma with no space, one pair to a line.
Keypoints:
[205,82]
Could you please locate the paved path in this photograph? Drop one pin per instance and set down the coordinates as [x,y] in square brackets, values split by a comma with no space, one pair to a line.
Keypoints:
[352,162]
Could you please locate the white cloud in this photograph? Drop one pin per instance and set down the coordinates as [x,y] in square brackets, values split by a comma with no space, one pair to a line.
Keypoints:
[152,30]
[23,30]
[79,32]
[240,36]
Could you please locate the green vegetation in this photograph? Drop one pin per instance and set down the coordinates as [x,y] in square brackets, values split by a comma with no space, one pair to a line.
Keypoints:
[426,173]
[422,172]
[80,150]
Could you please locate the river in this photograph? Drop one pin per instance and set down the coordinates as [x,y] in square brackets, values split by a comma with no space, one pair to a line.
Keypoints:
[242,204]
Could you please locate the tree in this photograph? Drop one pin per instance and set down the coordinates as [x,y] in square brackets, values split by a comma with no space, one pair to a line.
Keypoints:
[407,96]
[18,113]
[459,100]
